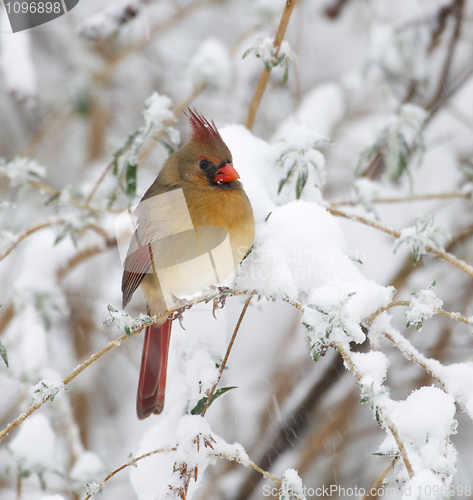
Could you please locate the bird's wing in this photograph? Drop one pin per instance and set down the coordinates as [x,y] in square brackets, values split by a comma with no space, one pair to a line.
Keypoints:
[138,264]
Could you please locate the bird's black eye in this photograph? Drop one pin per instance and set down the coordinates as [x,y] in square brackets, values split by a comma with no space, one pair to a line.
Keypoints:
[203,164]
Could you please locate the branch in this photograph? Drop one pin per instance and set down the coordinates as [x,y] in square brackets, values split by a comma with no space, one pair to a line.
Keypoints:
[264,77]
[380,480]
[384,417]
[132,463]
[27,232]
[111,345]
[408,199]
[437,310]
[397,234]
[227,354]
[232,458]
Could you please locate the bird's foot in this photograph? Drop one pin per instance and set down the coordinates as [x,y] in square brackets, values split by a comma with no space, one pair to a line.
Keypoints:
[183,305]
[219,301]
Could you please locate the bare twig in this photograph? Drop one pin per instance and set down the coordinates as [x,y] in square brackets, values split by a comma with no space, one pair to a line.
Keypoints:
[264,77]
[227,354]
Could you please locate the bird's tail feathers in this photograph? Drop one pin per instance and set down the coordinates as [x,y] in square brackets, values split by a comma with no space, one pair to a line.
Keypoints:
[154,362]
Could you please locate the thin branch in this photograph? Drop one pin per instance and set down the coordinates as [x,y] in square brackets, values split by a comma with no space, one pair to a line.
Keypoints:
[232,458]
[248,463]
[131,463]
[380,480]
[264,77]
[437,310]
[397,234]
[384,417]
[407,199]
[227,354]
[27,232]
[111,345]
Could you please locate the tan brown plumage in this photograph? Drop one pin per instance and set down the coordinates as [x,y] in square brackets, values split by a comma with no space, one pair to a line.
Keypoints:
[166,240]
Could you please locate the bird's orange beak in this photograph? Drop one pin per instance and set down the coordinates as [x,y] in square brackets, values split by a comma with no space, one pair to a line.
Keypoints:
[226,174]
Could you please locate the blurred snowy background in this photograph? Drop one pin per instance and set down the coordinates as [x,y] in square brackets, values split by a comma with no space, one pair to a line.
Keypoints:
[376,120]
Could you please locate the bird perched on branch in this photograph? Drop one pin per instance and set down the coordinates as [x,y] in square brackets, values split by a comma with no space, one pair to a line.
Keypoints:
[193,227]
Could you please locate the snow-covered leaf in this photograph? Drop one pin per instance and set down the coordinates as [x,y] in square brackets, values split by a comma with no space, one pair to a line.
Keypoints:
[422,306]
[420,236]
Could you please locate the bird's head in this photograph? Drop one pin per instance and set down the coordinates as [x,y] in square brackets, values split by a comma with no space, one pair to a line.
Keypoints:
[206,160]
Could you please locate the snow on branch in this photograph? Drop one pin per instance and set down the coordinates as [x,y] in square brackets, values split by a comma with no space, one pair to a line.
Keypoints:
[422,235]
[423,306]
[273,56]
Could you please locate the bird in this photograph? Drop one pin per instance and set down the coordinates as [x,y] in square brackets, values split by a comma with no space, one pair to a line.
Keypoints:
[193,227]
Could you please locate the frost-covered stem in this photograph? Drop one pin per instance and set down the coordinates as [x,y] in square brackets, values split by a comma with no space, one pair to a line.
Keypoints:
[27,232]
[437,310]
[80,369]
[393,232]
[380,480]
[409,350]
[264,77]
[232,458]
[124,466]
[453,315]
[384,417]
[384,308]
[247,463]
[227,354]
[109,347]
[408,199]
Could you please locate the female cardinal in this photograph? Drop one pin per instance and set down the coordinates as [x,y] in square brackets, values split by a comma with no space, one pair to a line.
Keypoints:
[194,225]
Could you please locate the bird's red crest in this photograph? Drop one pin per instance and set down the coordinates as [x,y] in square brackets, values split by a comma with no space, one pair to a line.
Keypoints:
[202,130]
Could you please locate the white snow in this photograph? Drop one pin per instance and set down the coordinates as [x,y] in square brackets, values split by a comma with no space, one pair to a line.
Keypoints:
[44,390]
[21,170]
[33,448]
[291,486]
[16,64]
[422,306]
[158,113]
[211,65]
[425,420]
[88,468]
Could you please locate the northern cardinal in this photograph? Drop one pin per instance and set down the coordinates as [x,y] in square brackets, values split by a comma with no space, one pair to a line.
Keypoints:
[196,208]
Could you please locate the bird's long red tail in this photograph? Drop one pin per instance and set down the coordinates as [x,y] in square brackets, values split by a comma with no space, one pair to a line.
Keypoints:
[154,363]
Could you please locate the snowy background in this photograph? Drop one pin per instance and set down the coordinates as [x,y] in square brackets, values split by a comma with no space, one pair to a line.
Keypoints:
[358,166]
